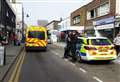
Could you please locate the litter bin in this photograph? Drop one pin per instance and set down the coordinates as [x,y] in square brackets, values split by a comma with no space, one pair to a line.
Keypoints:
[2,55]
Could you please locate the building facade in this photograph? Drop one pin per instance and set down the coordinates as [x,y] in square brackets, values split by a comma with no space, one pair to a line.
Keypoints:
[78,17]
[99,15]
[53,25]
[7,19]
[19,30]
[64,24]
[42,22]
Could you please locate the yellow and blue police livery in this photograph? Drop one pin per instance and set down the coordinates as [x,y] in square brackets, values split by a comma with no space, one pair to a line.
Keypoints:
[95,48]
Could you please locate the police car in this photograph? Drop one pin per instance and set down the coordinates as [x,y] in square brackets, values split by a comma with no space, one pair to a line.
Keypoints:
[95,48]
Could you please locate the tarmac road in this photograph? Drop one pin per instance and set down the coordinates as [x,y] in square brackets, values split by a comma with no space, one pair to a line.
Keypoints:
[49,66]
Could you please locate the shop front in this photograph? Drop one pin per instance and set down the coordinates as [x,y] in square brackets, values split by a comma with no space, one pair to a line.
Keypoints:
[117,26]
[105,27]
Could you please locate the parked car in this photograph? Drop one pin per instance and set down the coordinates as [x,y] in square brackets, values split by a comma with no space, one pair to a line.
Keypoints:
[49,40]
[95,48]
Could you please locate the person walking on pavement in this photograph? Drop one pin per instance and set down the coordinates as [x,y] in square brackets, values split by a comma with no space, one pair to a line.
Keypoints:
[68,45]
[117,43]
[73,44]
[14,39]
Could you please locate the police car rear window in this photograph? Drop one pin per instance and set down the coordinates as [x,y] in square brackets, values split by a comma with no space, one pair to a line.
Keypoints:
[36,34]
[100,42]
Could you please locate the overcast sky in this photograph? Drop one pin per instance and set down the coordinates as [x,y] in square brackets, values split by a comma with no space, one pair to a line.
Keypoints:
[50,9]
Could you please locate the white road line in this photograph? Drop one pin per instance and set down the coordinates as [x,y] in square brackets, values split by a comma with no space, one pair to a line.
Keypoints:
[96,78]
[60,56]
[72,63]
[119,61]
[57,54]
[84,71]
[116,61]
[54,53]
[66,60]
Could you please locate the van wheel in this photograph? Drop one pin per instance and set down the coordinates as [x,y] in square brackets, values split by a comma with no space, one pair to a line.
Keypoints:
[45,49]
[26,50]
[79,59]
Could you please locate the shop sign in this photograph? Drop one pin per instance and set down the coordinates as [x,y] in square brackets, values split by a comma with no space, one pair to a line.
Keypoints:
[105,21]
[2,55]
[106,26]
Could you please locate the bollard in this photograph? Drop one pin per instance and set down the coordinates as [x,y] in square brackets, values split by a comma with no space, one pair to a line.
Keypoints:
[2,55]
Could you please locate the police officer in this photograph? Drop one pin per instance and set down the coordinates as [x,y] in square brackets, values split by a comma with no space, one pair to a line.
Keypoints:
[68,45]
[73,44]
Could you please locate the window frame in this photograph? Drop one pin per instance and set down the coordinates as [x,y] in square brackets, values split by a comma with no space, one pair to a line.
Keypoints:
[76,20]
[101,10]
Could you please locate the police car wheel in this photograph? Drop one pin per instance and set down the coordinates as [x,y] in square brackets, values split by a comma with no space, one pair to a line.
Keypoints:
[79,57]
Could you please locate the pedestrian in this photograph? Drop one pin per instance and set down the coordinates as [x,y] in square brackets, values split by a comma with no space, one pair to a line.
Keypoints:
[68,45]
[117,43]
[73,44]
[19,38]
[14,39]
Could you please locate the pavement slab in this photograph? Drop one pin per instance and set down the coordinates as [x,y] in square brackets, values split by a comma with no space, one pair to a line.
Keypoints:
[12,53]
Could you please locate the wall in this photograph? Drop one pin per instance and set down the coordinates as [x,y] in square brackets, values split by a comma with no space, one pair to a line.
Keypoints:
[82,12]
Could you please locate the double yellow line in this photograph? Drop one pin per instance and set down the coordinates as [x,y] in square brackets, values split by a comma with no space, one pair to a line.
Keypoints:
[16,72]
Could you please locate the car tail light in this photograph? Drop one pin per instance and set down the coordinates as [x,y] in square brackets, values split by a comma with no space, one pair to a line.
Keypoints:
[89,48]
[112,53]
[112,48]
[94,53]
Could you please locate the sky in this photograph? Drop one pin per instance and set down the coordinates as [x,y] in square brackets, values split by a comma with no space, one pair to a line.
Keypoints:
[49,9]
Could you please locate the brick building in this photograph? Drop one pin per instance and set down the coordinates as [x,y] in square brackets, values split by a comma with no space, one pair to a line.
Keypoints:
[99,15]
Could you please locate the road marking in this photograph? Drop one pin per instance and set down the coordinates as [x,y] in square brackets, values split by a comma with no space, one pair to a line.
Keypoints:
[96,78]
[56,54]
[72,63]
[119,61]
[116,61]
[60,56]
[19,69]
[66,60]
[15,75]
[84,71]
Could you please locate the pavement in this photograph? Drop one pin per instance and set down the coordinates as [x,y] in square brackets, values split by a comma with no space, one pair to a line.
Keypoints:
[12,53]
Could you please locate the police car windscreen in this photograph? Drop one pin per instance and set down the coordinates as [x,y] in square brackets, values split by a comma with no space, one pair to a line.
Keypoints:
[100,42]
[36,34]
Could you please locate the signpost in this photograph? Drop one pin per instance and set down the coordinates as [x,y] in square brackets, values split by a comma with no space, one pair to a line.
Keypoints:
[2,55]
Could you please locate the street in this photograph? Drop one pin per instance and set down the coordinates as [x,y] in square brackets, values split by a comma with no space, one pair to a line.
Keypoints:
[79,40]
[51,67]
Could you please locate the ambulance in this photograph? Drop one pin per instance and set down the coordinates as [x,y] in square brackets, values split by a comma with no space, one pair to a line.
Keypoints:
[36,38]
[95,48]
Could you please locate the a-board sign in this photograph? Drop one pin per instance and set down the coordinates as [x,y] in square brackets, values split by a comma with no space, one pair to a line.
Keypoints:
[2,53]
